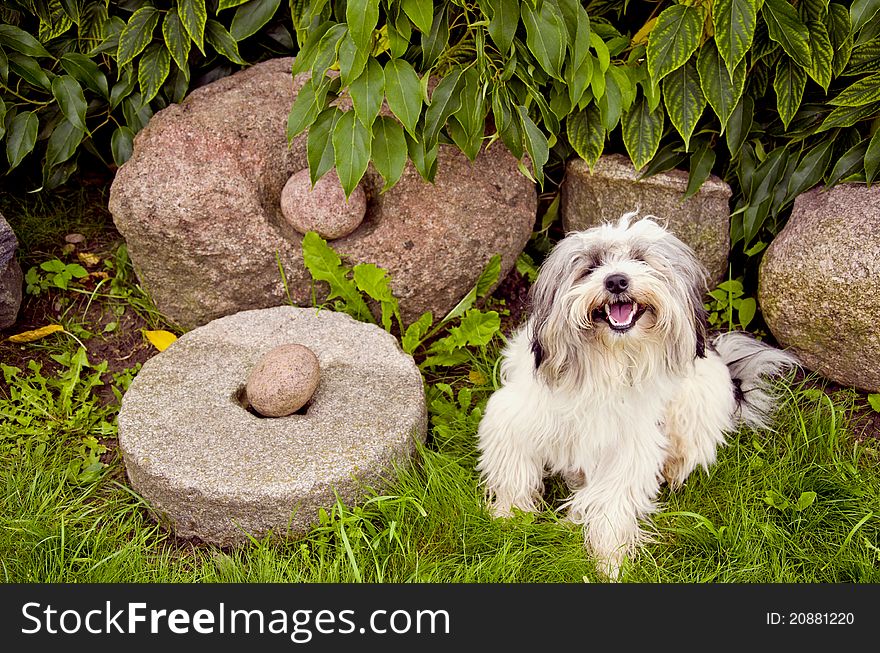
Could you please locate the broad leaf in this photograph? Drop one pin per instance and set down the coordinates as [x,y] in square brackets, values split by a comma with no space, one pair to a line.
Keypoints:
[642,129]
[435,42]
[325,265]
[21,136]
[319,145]
[848,116]
[734,22]
[475,329]
[535,143]
[720,90]
[362,16]
[122,144]
[375,282]
[250,17]
[546,36]
[864,91]
[415,331]
[702,161]
[86,72]
[673,40]
[19,40]
[368,91]
[194,17]
[424,159]
[872,158]
[789,83]
[389,150]
[69,95]
[176,39]
[352,60]
[420,12]
[786,28]
[351,145]
[850,163]
[62,144]
[403,93]
[29,70]
[153,68]
[810,170]
[586,134]
[137,34]
[223,41]
[445,100]
[840,35]
[861,11]
[739,124]
[821,54]
[503,23]
[684,100]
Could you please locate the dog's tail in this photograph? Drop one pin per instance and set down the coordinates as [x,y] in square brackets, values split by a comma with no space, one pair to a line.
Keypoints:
[752,365]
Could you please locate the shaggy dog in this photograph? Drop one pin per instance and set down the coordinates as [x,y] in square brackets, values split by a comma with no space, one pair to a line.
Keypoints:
[614,383]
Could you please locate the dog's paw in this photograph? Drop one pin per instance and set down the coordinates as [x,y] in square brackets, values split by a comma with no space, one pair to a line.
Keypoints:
[675,472]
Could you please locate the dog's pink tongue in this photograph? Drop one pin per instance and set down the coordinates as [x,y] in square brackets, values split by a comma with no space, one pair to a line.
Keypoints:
[621,312]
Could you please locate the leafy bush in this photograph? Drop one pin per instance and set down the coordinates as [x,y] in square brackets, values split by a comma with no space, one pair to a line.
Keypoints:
[88,74]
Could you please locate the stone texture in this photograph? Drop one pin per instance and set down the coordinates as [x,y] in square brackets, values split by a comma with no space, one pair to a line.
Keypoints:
[324,208]
[613,188]
[198,203]
[10,276]
[818,284]
[213,470]
[283,380]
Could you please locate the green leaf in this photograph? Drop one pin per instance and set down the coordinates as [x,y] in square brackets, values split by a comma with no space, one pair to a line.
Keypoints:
[546,36]
[611,102]
[468,125]
[69,95]
[476,329]
[734,22]
[821,54]
[229,4]
[872,158]
[424,159]
[602,53]
[445,100]
[324,265]
[362,16]
[861,11]
[488,277]
[374,281]
[874,401]
[194,17]
[319,145]
[153,68]
[399,35]
[351,145]
[122,89]
[412,337]
[63,142]
[536,144]
[223,41]
[137,34]
[740,124]
[86,72]
[789,83]
[389,150]
[250,17]
[420,12]
[848,116]
[850,163]
[352,60]
[642,130]
[785,27]
[720,90]
[701,167]
[403,93]
[17,39]
[684,100]
[746,311]
[368,91]
[810,170]
[805,500]
[435,42]
[21,136]
[864,91]
[122,144]
[176,39]
[503,23]
[675,37]
[29,70]
[586,134]
[840,35]
[327,49]
[308,103]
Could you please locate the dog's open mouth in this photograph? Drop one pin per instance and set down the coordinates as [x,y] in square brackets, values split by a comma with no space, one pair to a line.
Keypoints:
[620,316]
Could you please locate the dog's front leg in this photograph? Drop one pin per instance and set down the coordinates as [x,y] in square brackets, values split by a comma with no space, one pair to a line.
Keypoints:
[620,491]
[511,466]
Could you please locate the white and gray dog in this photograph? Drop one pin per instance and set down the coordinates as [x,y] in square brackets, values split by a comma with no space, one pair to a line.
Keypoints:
[614,384]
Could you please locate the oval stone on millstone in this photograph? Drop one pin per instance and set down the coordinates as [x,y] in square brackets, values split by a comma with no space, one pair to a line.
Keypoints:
[283,380]
[818,284]
[323,209]
[211,469]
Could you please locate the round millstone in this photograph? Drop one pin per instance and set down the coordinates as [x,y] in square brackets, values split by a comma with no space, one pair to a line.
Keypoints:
[211,469]
[283,380]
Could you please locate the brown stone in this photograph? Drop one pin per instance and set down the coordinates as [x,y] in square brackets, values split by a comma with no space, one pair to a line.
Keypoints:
[323,208]
[283,380]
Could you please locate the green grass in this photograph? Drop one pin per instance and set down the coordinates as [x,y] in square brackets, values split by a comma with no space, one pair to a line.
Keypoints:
[801,504]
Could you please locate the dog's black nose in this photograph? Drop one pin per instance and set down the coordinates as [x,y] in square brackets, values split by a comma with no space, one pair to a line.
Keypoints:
[616,283]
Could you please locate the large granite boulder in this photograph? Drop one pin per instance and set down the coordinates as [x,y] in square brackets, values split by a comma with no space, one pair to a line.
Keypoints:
[819,284]
[10,276]
[199,204]
[212,469]
[613,188]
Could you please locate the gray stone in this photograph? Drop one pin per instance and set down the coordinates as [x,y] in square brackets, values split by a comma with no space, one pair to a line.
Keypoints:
[702,221]
[213,470]
[818,284]
[198,203]
[283,380]
[323,209]
[10,276]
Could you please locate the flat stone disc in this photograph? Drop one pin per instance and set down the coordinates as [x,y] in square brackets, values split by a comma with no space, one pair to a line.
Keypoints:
[211,469]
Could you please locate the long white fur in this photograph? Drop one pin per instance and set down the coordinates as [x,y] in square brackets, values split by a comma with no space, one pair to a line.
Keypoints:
[614,413]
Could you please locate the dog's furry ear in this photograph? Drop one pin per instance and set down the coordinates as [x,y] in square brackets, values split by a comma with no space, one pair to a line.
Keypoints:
[701,327]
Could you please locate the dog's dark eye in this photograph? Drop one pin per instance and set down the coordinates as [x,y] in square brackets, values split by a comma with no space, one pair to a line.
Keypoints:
[586,270]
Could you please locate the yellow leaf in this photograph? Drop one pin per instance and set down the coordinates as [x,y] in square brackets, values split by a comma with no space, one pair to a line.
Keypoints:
[641,37]
[88,259]
[477,377]
[161,340]
[36,334]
